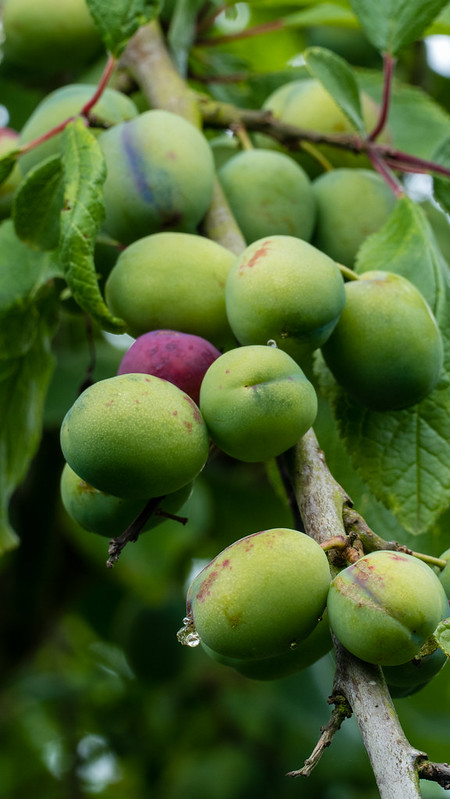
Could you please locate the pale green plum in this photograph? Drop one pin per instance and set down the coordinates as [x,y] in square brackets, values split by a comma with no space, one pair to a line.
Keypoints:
[444,575]
[299,656]
[135,436]
[269,193]
[160,176]
[410,677]
[351,204]
[256,402]
[261,596]
[172,281]
[49,36]
[283,288]
[67,101]
[107,515]
[386,350]
[385,606]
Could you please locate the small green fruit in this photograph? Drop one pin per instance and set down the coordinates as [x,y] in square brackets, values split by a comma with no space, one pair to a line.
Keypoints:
[444,575]
[256,402]
[172,281]
[135,436]
[408,678]
[160,176]
[262,596]
[107,515]
[283,288]
[385,606]
[386,350]
[269,193]
[351,204]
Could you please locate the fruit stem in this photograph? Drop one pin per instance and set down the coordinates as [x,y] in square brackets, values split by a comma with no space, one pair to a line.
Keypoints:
[131,534]
[389,66]
[102,84]
[347,273]
[432,561]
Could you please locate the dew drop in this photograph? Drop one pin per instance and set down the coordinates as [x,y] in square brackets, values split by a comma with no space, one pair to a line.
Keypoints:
[272,343]
[187,635]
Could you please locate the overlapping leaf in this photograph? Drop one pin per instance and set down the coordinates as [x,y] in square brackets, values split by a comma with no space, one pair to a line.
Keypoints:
[393,24]
[404,456]
[442,184]
[38,203]
[118,20]
[338,79]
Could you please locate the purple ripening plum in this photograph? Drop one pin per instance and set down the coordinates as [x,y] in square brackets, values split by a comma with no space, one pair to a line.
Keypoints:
[180,358]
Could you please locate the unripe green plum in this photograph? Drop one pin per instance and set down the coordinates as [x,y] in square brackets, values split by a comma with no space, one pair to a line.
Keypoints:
[173,281]
[135,436]
[385,606]
[160,176]
[351,204]
[256,402]
[107,515]
[285,289]
[386,350]
[444,575]
[298,657]
[9,140]
[410,677]
[181,358]
[49,36]
[67,101]
[307,104]
[261,596]
[269,193]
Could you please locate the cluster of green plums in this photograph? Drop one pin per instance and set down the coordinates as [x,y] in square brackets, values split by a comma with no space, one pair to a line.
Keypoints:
[266,605]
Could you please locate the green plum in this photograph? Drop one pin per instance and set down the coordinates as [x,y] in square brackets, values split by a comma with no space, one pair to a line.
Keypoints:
[307,104]
[351,204]
[49,36]
[386,350]
[444,575]
[283,288]
[410,677]
[173,281]
[67,101]
[135,436]
[261,596]
[107,515]
[269,193]
[300,656]
[160,176]
[385,606]
[256,402]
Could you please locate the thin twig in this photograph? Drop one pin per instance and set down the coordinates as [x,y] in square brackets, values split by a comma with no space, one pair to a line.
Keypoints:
[340,712]
[389,65]
[131,534]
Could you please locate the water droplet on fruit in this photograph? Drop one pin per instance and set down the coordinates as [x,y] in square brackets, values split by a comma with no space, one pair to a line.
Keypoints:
[187,634]
[272,343]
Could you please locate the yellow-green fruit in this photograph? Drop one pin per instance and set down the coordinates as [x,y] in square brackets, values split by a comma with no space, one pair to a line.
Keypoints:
[112,107]
[351,204]
[386,349]
[160,176]
[299,656]
[307,104]
[49,35]
[269,194]
[384,607]
[410,677]
[107,515]
[256,402]
[135,436]
[261,596]
[283,288]
[444,575]
[172,281]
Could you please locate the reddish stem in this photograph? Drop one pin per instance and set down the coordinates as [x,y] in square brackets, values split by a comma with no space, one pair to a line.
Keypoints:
[383,169]
[45,136]
[389,64]
[257,30]
[102,84]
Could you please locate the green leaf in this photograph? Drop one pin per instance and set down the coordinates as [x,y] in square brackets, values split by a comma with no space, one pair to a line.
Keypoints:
[403,456]
[23,387]
[182,31]
[117,20]
[338,79]
[321,14]
[37,205]
[442,635]
[441,185]
[441,24]
[393,24]
[7,164]
[81,217]
[24,275]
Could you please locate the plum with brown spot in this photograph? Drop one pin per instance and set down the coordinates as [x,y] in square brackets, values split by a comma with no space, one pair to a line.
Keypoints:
[181,358]
[261,596]
[384,607]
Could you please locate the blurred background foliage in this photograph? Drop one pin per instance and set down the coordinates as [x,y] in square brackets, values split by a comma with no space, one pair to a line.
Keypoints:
[97,695]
